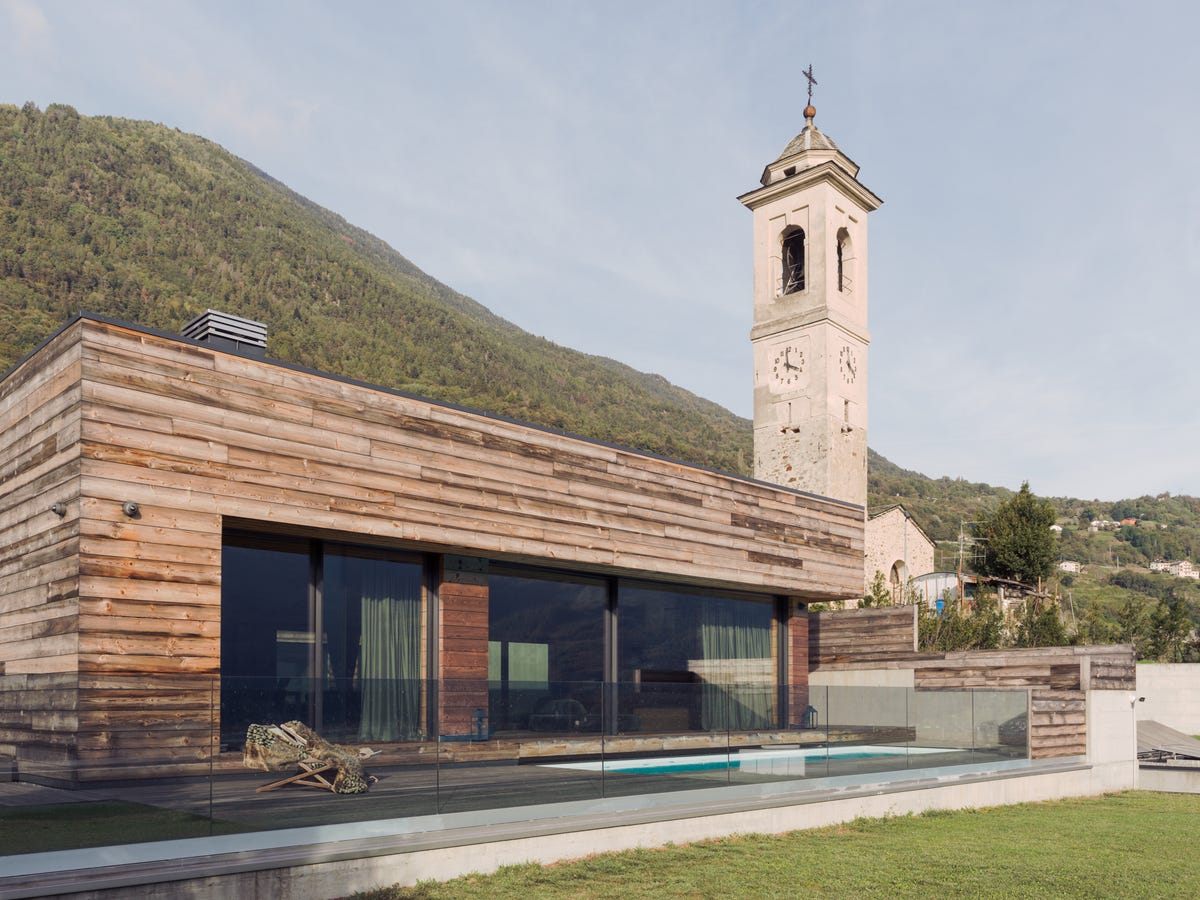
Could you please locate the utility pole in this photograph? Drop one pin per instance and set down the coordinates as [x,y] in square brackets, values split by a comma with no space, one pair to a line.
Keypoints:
[963,541]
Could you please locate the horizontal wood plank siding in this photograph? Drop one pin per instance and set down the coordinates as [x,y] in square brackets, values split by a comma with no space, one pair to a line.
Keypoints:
[168,421]
[463,650]
[798,622]
[853,634]
[40,404]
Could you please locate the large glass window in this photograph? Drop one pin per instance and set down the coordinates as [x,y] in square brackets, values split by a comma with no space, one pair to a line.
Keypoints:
[372,625]
[545,652]
[266,634]
[694,661]
[327,634]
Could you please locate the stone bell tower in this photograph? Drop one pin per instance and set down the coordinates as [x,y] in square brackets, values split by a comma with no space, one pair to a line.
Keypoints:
[810,318]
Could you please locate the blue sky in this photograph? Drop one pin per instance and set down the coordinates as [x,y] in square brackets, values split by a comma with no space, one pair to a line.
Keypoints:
[574,167]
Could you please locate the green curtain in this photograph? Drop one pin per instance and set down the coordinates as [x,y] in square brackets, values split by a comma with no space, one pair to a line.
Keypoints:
[390,661]
[738,694]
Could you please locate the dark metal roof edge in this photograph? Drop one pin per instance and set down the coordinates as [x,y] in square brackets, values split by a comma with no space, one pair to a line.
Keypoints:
[40,347]
[342,379]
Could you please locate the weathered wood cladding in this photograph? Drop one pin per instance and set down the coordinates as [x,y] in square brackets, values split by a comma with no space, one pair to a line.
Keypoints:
[463,652]
[797,649]
[175,427]
[40,404]
[856,635]
[1057,678]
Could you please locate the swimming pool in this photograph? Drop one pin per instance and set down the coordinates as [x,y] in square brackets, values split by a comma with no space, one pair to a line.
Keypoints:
[756,761]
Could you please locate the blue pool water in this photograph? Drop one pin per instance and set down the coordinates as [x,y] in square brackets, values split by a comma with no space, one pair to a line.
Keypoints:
[789,761]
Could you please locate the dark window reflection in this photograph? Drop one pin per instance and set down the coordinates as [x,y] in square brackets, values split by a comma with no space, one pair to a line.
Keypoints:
[545,652]
[694,661]
[344,660]
[266,634]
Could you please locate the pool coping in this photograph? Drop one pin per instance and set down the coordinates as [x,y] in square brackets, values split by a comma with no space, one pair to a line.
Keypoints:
[129,865]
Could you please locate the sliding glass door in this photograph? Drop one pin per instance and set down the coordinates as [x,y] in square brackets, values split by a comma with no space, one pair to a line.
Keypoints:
[690,660]
[326,633]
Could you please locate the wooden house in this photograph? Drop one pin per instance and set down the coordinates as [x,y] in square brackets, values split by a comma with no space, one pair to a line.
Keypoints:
[193,538]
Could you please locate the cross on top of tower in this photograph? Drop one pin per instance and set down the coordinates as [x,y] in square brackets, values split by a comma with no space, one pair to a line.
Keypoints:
[808,73]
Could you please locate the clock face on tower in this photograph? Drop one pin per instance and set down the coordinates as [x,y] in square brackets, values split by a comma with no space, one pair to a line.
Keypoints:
[848,364]
[788,365]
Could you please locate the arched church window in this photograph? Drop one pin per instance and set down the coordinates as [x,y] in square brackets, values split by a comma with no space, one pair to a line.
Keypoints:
[793,261]
[845,261]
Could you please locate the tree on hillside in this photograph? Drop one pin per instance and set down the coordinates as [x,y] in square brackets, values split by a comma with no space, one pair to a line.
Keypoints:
[1170,627]
[1019,542]
[1039,624]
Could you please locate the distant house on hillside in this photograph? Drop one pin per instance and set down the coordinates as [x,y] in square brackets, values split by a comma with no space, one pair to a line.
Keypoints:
[1180,568]
[1069,565]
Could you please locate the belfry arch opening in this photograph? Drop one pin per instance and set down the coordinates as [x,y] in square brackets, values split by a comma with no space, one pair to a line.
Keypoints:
[845,262]
[792,256]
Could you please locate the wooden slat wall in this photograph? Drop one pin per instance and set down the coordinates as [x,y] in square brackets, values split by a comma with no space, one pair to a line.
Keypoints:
[463,649]
[182,429]
[1056,677]
[798,623]
[40,405]
[861,634]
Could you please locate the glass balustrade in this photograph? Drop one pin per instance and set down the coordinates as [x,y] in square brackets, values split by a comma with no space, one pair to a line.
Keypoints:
[118,763]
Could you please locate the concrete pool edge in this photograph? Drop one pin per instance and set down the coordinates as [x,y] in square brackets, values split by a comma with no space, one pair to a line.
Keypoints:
[663,818]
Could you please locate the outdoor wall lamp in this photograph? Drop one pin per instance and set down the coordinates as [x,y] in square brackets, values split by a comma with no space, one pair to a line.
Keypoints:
[131,509]
[59,509]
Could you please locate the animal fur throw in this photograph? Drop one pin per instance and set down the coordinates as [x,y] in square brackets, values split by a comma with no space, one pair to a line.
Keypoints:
[273,748]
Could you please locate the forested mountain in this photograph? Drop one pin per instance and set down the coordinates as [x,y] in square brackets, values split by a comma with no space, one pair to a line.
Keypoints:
[150,225]
[144,223]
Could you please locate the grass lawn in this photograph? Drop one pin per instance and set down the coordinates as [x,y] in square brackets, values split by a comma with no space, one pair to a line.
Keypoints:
[67,826]
[1134,844]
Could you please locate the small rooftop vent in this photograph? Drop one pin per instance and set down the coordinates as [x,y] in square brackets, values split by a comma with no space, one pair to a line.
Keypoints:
[229,332]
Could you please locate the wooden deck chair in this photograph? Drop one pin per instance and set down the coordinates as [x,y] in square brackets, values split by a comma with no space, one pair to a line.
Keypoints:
[328,767]
[311,774]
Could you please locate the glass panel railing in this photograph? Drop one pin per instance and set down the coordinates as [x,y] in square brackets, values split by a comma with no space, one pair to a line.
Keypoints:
[110,760]
[1001,724]
[944,727]
[522,743]
[673,734]
[868,729]
[193,757]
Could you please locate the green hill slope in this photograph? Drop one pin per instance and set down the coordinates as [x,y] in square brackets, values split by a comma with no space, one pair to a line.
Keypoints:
[147,224]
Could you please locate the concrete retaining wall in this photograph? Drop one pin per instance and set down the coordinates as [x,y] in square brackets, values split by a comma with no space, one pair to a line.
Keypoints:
[1172,692]
[1170,778]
